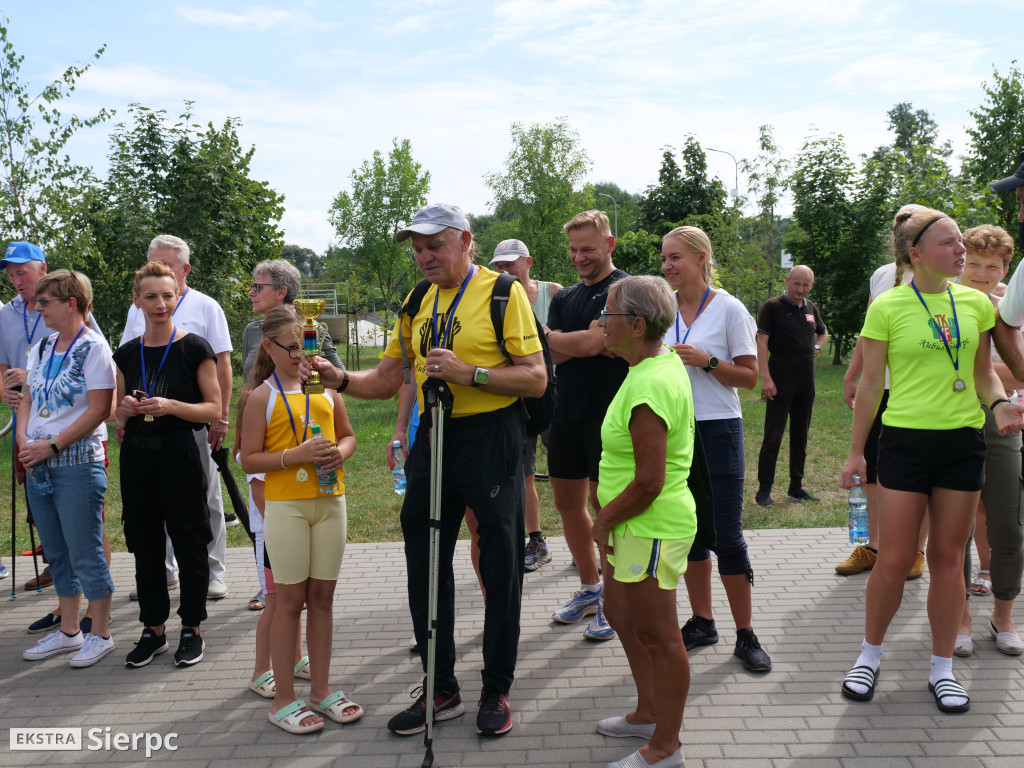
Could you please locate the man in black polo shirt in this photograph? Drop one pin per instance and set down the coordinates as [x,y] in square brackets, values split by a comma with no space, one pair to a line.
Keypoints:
[588,379]
[789,336]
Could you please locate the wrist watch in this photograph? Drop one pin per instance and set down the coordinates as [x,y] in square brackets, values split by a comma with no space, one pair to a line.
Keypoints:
[54,448]
[712,364]
[479,377]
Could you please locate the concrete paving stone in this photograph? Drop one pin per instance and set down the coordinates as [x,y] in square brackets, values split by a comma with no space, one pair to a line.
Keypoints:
[821,751]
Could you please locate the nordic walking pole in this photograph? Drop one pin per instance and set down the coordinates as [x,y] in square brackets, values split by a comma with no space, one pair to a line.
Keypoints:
[438,399]
[14,518]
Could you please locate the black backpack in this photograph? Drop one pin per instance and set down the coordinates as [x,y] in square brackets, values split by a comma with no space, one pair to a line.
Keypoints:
[537,411]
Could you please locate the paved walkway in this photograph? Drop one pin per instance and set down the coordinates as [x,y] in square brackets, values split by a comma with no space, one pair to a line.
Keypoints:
[808,619]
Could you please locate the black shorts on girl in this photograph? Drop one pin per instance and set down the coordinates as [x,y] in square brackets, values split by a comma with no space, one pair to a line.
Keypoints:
[917,460]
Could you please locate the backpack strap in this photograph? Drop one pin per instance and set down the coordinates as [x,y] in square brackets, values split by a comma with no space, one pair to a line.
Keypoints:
[410,308]
[499,303]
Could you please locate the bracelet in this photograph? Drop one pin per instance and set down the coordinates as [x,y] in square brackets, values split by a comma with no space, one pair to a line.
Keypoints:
[282,457]
[997,402]
[225,422]
[344,381]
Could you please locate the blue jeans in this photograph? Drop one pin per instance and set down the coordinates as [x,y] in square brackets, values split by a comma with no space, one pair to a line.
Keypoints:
[70,525]
[723,446]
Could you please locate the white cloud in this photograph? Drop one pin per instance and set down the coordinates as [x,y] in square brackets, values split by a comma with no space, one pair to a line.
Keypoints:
[257,18]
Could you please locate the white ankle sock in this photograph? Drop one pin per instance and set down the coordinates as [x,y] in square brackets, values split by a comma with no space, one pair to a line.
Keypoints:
[590,588]
[870,656]
[942,669]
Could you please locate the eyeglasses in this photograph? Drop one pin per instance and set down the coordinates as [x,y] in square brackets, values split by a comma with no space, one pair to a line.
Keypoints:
[605,314]
[292,350]
[44,302]
[255,287]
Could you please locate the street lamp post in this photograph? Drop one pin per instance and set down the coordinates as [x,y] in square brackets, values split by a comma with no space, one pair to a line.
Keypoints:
[605,194]
[736,189]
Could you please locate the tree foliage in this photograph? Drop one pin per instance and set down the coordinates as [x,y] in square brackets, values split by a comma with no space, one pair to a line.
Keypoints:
[385,195]
[540,189]
[767,180]
[42,192]
[681,192]
[310,263]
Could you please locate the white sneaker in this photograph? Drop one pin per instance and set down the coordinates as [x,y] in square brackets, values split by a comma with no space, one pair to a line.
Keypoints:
[216,590]
[93,649]
[53,644]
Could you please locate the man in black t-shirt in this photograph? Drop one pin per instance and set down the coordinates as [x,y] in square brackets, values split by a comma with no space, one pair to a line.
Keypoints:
[789,336]
[588,378]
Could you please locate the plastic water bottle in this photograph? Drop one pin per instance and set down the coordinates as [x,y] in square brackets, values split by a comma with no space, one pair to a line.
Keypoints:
[398,473]
[327,478]
[858,513]
[40,476]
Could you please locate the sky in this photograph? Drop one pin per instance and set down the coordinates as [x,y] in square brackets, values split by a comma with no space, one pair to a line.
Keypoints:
[318,86]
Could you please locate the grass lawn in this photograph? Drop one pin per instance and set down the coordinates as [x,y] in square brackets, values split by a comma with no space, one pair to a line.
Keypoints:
[373,505]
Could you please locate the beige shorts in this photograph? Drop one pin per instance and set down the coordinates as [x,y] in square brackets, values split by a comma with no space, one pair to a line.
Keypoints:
[305,538]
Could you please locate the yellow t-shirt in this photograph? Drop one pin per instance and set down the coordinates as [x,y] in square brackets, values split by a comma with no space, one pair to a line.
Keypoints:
[281,483]
[472,337]
[921,375]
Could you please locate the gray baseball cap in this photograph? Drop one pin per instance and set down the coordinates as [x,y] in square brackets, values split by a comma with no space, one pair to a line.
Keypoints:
[431,219]
[510,250]
[1011,182]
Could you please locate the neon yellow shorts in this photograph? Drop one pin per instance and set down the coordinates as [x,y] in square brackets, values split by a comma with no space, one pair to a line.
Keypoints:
[664,559]
[305,538]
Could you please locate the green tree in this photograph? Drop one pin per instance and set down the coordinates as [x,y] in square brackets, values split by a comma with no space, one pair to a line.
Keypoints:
[42,193]
[625,208]
[681,192]
[310,263]
[540,189]
[766,175]
[385,195]
[996,139]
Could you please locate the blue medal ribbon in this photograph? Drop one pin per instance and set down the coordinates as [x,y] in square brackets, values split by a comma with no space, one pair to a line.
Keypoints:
[180,300]
[295,432]
[24,320]
[47,381]
[959,384]
[699,308]
[142,357]
[442,340]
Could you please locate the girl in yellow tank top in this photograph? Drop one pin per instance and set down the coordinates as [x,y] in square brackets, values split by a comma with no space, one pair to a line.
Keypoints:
[304,528]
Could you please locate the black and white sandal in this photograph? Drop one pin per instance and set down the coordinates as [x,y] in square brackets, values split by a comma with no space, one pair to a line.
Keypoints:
[861,675]
[947,688]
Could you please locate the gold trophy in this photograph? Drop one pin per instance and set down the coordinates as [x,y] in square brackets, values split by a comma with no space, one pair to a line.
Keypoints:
[309,337]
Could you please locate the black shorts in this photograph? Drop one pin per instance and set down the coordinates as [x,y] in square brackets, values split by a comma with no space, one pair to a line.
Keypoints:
[574,450]
[917,460]
[871,446]
[529,456]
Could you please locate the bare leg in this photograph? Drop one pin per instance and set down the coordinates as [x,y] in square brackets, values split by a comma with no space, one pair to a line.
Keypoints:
[698,588]
[871,491]
[68,608]
[571,503]
[262,662]
[738,590]
[981,538]
[952,514]
[290,598]
[532,511]
[474,548]
[1002,615]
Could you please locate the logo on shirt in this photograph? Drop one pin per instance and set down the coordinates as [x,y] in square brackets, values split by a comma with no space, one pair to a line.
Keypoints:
[943,328]
[426,332]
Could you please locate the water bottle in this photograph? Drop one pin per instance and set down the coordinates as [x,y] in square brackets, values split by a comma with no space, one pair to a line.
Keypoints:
[40,476]
[858,513]
[398,473]
[327,478]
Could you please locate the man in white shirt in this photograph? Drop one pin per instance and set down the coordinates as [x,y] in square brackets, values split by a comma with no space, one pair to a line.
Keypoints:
[199,314]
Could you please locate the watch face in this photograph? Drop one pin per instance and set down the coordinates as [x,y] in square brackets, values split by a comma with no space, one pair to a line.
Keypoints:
[713,362]
[480,375]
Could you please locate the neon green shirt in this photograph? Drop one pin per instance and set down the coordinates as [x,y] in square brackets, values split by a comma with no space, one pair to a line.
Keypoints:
[921,394]
[661,383]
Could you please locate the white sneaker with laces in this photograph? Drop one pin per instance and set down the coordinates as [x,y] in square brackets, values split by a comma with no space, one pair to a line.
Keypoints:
[53,644]
[93,649]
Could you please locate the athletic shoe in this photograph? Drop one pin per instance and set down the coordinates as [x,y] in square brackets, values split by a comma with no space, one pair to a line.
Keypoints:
[414,720]
[764,499]
[45,624]
[598,628]
[94,649]
[3,571]
[495,716]
[85,625]
[536,554]
[860,560]
[748,649]
[230,520]
[581,604]
[801,495]
[414,647]
[698,631]
[216,590]
[171,586]
[918,570]
[52,645]
[149,645]
[190,649]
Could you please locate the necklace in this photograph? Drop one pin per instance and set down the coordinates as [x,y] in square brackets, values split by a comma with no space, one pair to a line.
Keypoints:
[302,475]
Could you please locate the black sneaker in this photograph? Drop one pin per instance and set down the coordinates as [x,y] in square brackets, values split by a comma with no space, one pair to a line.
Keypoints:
[190,649]
[764,499]
[749,650]
[150,644]
[230,519]
[495,716]
[698,631]
[414,720]
[801,495]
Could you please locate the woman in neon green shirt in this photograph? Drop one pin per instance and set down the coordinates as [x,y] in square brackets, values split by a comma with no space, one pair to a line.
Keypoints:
[647,519]
[935,337]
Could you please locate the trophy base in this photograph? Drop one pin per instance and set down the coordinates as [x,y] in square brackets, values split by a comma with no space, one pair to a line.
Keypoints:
[312,388]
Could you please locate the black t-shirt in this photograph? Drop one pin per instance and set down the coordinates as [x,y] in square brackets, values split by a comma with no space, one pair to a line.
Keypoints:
[790,329]
[177,380]
[586,385]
